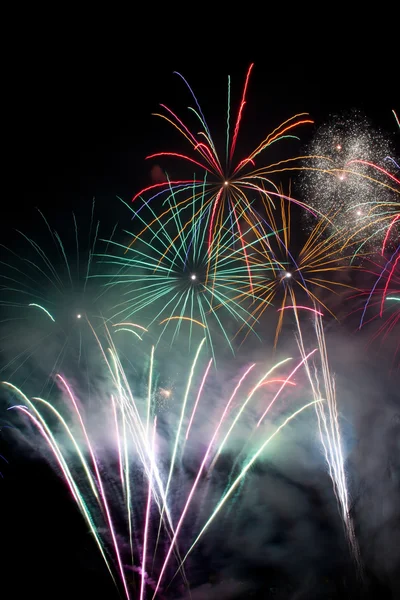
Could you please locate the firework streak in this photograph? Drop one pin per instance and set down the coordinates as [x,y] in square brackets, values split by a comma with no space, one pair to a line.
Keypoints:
[329,431]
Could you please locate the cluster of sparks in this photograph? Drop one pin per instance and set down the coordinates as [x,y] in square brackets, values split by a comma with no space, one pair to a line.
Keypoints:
[210,255]
[351,171]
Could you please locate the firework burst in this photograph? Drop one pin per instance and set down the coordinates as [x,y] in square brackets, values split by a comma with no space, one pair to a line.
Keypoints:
[45,291]
[232,186]
[350,171]
[313,274]
[170,278]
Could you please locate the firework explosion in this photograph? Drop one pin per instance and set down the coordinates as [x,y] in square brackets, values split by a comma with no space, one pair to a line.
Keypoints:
[170,279]
[45,291]
[313,274]
[352,172]
[208,257]
[231,188]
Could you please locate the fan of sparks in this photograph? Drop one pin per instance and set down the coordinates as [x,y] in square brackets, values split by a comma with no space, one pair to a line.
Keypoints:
[111,496]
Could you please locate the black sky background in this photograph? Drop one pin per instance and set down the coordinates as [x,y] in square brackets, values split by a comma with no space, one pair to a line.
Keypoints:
[78,125]
[78,117]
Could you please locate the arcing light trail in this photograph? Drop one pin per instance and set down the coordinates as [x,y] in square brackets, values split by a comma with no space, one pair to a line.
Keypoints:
[184,319]
[130,331]
[388,232]
[301,308]
[44,310]
[376,167]
[131,325]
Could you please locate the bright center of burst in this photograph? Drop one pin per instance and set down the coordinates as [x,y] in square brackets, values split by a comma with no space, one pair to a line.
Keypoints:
[193,277]
[287,275]
[78,316]
[226,182]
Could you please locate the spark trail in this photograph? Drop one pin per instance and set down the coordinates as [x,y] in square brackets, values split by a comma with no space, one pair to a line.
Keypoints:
[329,432]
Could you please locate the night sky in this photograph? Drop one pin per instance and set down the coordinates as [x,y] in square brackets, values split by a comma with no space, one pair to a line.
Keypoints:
[78,126]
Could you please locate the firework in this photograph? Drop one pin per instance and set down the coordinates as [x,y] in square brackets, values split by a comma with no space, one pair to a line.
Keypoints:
[313,274]
[378,301]
[323,387]
[115,499]
[175,284]
[232,185]
[350,172]
[45,289]
[207,255]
